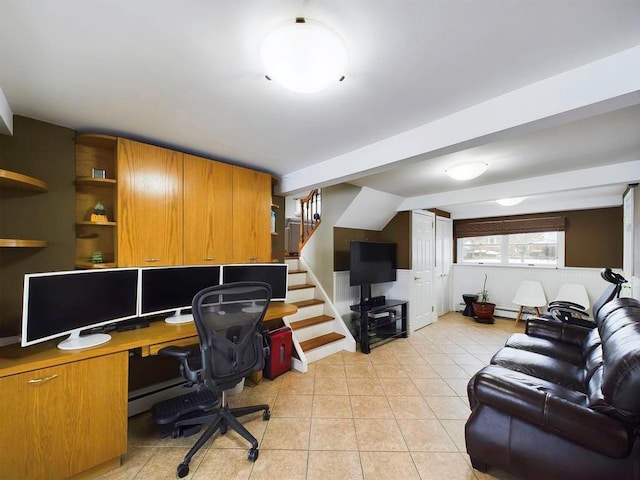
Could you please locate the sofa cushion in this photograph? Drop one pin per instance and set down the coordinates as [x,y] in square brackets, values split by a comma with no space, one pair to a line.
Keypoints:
[541,366]
[551,348]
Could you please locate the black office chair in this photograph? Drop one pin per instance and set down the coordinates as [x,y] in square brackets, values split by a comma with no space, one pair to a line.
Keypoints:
[229,323]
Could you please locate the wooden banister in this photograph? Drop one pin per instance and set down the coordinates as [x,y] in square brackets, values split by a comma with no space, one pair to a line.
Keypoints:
[310,207]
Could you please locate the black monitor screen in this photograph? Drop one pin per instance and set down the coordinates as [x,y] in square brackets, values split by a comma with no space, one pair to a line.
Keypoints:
[275,274]
[172,288]
[372,262]
[57,303]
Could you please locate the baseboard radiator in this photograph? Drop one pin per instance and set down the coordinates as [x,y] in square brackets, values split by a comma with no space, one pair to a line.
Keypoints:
[504,311]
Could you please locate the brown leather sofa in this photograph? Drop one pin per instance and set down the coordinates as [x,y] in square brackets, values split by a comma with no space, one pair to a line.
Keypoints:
[561,401]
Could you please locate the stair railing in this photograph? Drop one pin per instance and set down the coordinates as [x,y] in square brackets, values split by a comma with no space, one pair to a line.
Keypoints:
[310,208]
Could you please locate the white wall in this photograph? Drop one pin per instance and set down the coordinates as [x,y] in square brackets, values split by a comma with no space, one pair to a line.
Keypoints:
[503,282]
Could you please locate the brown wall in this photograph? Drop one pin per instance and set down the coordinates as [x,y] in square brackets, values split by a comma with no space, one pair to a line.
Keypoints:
[398,231]
[46,152]
[593,238]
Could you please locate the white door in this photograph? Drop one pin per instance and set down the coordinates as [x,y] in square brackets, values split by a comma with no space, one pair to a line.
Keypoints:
[442,265]
[421,305]
[628,243]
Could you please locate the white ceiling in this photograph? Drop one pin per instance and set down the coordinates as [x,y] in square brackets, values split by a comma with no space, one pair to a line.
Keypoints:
[187,75]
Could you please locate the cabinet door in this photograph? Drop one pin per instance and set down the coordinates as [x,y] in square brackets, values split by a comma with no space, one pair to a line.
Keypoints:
[208,213]
[59,421]
[150,183]
[251,216]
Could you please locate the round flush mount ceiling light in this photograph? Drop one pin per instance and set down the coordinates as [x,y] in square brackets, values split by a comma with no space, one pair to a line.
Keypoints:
[304,56]
[509,202]
[467,171]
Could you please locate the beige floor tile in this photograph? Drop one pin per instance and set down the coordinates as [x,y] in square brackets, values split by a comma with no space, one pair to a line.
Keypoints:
[410,407]
[402,386]
[451,371]
[426,436]
[448,408]
[287,433]
[300,384]
[458,385]
[466,359]
[390,371]
[132,463]
[228,464]
[364,386]
[427,349]
[254,423]
[401,347]
[359,370]
[265,386]
[333,434]
[331,386]
[370,406]
[163,463]
[280,464]
[334,465]
[388,465]
[292,406]
[381,357]
[452,349]
[330,370]
[439,465]
[335,359]
[455,429]
[471,370]
[252,397]
[484,357]
[333,406]
[476,348]
[380,435]
[410,359]
[420,371]
[434,387]
[439,359]
[350,358]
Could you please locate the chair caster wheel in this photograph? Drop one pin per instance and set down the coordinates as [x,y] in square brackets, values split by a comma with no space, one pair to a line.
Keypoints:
[253,455]
[183,470]
[223,430]
[266,415]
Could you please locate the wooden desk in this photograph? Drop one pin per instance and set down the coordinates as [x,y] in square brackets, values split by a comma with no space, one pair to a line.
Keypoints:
[63,414]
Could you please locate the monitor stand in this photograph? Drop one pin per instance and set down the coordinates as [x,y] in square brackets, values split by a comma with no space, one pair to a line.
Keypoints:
[253,308]
[178,318]
[76,342]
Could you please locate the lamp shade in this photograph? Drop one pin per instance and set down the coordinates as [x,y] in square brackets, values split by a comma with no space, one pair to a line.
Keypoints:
[304,56]
[467,171]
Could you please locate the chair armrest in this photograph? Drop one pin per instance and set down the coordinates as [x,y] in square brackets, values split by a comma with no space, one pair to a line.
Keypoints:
[533,403]
[558,331]
[181,353]
[564,303]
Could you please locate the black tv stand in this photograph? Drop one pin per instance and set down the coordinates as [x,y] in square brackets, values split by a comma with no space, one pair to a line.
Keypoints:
[381,323]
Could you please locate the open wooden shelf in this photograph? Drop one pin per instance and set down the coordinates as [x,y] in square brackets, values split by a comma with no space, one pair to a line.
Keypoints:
[96,140]
[96,182]
[90,265]
[97,224]
[9,179]
[22,243]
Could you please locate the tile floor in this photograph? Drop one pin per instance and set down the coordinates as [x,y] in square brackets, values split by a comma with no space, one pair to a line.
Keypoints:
[396,413]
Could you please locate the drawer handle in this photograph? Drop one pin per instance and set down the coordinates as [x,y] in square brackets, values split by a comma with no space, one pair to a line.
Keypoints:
[151,260]
[209,259]
[43,379]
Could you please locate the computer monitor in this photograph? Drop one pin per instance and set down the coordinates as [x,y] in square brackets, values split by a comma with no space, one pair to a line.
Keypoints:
[171,289]
[65,303]
[275,274]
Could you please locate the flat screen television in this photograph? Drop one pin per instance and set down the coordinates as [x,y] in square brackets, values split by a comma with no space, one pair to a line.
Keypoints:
[371,262]
[275,274]
[66,303]
[171,289]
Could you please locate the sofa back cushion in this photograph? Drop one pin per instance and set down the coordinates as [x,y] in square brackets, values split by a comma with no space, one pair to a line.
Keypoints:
[620,336]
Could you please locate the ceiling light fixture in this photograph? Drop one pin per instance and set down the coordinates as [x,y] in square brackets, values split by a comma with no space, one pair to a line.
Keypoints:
[467,171]
[509,202]
[304,56]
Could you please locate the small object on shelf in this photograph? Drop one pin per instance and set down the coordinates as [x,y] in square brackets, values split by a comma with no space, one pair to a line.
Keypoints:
[98,173]
[273,221]
[99,214]
[96,257]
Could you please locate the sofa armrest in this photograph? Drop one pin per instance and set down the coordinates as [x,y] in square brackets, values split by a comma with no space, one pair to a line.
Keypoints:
[531,401]
[558,331]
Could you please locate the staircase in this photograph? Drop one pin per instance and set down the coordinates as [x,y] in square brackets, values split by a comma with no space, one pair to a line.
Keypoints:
[318,329]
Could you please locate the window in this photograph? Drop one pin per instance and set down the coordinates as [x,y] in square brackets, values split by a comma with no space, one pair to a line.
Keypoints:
[537,248]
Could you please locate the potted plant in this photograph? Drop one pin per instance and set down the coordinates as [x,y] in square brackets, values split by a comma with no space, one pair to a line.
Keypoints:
[483,308]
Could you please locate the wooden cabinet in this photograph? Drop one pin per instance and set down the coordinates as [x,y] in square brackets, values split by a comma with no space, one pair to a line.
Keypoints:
[150,205]
[95,182]
[63,420]
[251,216]
[208,213]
